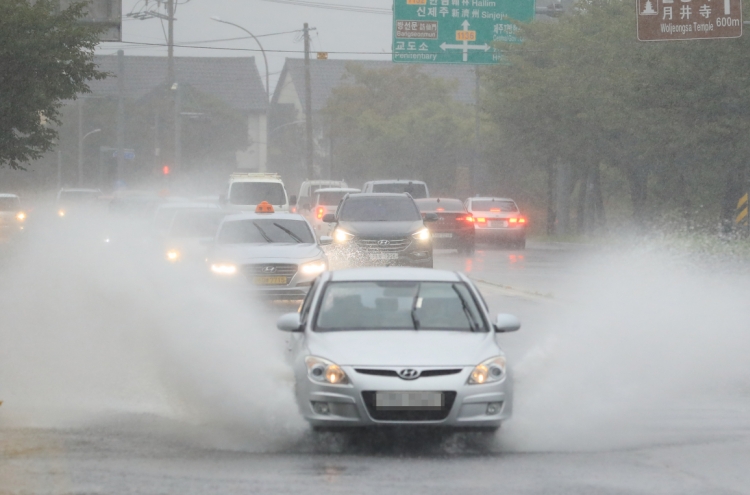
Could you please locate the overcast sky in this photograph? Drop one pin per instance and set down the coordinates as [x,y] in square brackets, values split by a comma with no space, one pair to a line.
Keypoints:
[336,31]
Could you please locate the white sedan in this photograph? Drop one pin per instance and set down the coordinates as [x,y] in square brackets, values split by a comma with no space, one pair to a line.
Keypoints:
[274,254]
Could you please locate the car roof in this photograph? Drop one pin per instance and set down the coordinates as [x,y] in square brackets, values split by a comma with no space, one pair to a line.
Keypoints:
[393,273]
[338,189]
[379,195]
[323,181]
[8,195]
[247,215]
[436,199]
[386,181]
[489,198]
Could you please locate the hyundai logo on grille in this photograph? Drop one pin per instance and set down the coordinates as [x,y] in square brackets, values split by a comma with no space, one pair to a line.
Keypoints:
[409,374]
[269,269]
[383,243]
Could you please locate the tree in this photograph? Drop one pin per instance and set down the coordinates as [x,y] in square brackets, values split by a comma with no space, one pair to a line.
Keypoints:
[46,57]
[398,123]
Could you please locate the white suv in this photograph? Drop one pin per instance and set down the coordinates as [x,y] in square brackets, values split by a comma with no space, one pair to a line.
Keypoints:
[247,190]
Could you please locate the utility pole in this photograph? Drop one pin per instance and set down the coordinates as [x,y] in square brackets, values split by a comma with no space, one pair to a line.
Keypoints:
[170,42]
[120,114]
[475,183]
[308,109]
[177,126]
[80,142]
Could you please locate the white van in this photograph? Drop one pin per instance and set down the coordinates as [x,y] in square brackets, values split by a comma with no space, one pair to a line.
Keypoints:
[416,188]
[247,190]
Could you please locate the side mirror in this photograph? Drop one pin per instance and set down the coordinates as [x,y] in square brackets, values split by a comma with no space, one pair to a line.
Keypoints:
[326,240]
[292,200]
[431,217]
[289,322]
[329,218]
[506,323]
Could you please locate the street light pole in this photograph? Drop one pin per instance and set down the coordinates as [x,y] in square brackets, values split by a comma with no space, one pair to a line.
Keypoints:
[265,59]
[80,150]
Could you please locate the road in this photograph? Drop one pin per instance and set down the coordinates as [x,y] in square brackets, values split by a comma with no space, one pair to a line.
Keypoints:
[120,378]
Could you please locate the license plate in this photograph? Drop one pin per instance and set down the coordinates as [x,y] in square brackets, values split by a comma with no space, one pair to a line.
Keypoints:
[409,400]
[499,223]
[270,281]
[384,256]
[442,235]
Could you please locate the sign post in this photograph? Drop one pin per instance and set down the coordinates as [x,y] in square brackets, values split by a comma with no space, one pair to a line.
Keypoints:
[668,20]
[456,31]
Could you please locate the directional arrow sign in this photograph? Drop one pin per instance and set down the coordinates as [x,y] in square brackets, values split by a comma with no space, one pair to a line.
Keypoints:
[456,31]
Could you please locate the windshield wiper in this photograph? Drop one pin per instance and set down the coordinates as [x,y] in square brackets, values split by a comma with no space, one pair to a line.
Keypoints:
[417,304]
[262,232]
[291,234]
[475,326]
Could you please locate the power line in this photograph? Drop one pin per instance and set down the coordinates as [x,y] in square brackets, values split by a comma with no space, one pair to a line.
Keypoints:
[334,6]
[240,37]
[139,43]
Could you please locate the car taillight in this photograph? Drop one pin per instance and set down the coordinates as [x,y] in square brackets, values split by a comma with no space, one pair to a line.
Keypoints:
[481,220]
[321,212]
[517,221]
[468,218]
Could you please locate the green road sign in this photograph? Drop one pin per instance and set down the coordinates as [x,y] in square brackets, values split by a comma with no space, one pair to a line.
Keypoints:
[455,31]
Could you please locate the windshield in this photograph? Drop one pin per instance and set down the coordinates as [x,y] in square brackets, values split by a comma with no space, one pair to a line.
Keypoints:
[252,193]
[379,209]
[416,190]
[447,205]
[331,198]
[265,231]
[495,205]
[69,197]
[399,305]
[196,223]
[9,204]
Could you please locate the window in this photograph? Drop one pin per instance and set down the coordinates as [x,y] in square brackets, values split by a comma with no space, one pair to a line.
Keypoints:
[9,204]
[379,209]
[265,231]
[492,205]
[253,193]
[399,305]
[331,198]
[447,205]
[415,189]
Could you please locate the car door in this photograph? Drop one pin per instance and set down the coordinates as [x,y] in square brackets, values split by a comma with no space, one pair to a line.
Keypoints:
[296,340]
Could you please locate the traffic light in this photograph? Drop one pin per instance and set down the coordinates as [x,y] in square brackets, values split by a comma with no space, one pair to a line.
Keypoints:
[165,170]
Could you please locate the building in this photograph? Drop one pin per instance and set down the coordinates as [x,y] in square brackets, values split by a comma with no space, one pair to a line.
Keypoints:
[233,80]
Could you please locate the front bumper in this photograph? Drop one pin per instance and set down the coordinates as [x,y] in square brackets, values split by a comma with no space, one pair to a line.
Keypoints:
[297,286]
[353,255]
[466,406]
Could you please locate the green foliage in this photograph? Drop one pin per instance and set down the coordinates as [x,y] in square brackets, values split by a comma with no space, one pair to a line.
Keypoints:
[45,57]
[672,117]
[398,123]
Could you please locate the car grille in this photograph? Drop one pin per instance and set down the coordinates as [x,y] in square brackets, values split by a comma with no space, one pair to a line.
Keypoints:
[394,373]
[383,245]
[411,414]
[287,270]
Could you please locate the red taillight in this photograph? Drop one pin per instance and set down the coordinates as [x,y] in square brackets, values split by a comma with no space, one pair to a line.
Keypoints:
[321,212]
[440,209]
[481,220]
[513,220]
[521,220]
[469,219]
[516,221]
[495,210]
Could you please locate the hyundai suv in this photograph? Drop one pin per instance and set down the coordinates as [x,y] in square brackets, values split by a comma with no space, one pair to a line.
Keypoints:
[380,230]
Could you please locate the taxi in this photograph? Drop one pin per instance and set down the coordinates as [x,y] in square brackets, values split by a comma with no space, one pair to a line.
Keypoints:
[267,253]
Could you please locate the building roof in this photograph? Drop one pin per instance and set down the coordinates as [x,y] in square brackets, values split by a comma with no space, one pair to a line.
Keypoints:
[327,74]
[234,80]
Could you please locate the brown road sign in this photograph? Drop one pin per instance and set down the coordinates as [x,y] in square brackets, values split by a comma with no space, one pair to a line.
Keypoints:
[666,20]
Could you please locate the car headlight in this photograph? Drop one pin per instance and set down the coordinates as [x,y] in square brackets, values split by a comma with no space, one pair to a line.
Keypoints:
[61,213]
[341,236]
[21,216]
[173,255]
[224,268]
[314,267]
[323,371]
[489,371]
[422,235]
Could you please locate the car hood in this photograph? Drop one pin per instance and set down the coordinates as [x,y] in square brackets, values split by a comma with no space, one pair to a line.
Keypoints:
[381,230]
[403,347]
[243,253]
